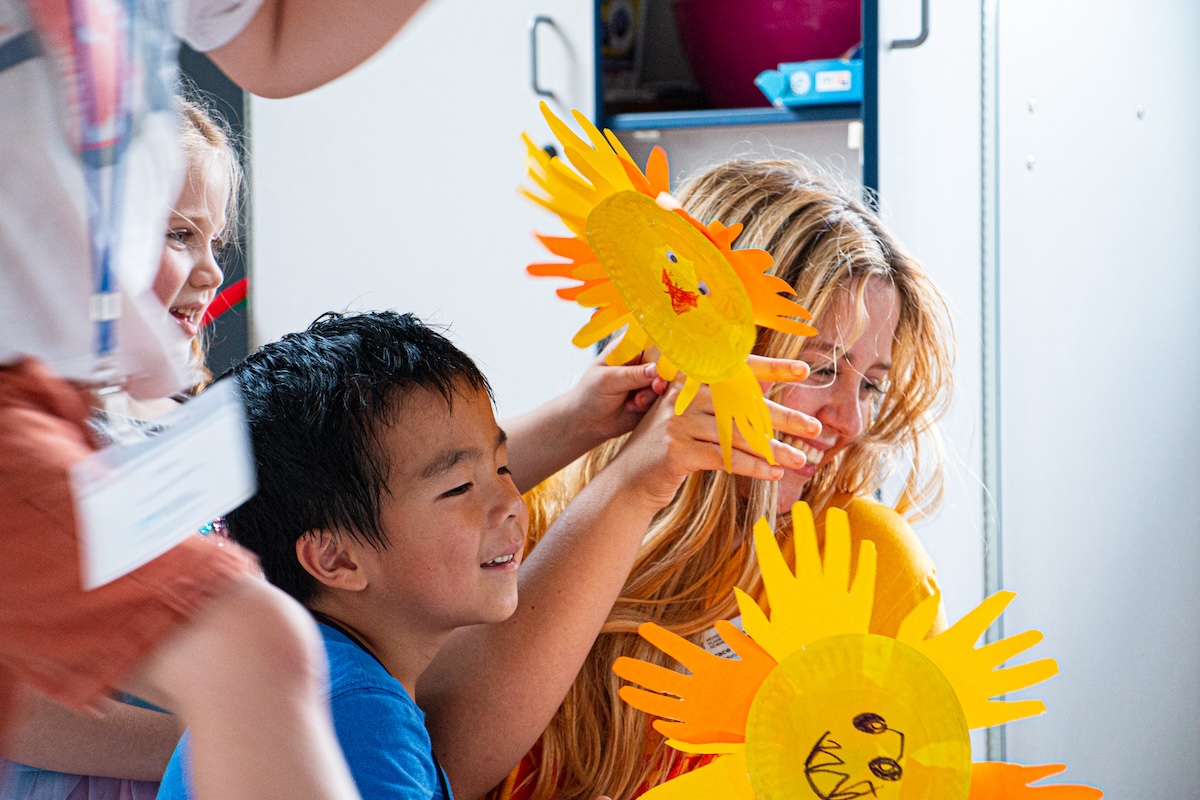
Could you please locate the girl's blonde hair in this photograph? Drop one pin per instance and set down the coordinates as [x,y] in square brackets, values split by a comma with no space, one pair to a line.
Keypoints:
[206,139]
[825,241]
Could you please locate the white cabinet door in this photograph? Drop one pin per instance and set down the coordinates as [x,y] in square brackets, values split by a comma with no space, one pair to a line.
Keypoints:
[395,187]
[1100,279]
[929,156]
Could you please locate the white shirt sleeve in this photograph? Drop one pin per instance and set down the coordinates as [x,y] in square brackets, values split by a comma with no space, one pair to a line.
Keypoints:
[208,24]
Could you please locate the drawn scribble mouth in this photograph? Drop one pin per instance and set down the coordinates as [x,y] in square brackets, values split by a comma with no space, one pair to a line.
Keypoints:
[828,775]
[682,300]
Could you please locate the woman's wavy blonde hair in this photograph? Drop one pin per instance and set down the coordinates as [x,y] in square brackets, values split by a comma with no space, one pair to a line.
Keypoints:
[825,241]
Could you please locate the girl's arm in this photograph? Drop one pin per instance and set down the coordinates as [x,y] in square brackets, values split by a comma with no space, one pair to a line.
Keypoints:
[292,46]
[126,742]
[492,689]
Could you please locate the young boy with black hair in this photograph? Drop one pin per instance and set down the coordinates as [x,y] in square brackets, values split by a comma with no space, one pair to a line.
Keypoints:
[386,507]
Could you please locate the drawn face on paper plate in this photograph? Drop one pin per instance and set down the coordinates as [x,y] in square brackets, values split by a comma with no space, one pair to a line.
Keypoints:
[863,758]
[678,284]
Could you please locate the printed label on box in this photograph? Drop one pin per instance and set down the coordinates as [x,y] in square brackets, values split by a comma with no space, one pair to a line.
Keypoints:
[833,81]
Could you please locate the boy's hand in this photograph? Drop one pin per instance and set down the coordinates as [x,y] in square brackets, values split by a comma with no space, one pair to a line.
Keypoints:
[606,402]
[610,401]
[665,447]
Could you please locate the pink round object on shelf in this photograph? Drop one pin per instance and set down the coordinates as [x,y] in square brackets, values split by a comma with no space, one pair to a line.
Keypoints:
[729,42]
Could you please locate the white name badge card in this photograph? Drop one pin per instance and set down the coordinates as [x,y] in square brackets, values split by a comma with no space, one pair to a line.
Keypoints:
[133,503]
[713,643]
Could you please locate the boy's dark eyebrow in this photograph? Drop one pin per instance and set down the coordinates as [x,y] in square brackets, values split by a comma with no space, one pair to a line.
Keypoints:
[447,460]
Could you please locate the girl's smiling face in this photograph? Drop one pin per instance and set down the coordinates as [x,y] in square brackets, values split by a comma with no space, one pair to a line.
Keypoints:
[188,274]
[849,374]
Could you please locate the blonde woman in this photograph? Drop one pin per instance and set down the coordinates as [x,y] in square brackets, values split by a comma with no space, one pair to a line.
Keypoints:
[881,371]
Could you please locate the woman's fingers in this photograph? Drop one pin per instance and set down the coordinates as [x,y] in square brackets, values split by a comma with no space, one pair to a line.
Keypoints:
[702,430]
[791,421]
[787,456]
[777,370]
[750,465]
[701,424]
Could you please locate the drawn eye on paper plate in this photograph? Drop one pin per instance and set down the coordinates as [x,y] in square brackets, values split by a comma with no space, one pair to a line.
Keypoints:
[816,707]
[648,266]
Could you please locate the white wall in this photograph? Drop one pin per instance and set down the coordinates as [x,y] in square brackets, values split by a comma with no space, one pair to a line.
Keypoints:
[929,189]
[1100,280]
[692,150]
[395,187]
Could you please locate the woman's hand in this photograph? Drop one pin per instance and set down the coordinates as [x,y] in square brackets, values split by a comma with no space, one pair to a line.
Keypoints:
[666,447]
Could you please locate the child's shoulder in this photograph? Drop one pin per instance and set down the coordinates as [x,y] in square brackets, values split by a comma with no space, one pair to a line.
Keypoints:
[379,727]
[353,669]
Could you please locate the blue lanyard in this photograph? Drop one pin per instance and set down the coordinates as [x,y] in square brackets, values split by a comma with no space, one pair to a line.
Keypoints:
[102,154]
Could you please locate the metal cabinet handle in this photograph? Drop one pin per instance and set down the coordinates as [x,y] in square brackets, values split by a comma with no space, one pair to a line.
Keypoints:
[534,23]
[908,44]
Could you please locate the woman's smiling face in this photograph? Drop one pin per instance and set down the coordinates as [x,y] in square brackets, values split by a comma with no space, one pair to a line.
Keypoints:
[848,375]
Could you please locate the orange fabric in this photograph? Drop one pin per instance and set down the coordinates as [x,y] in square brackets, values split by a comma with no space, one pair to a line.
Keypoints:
[905,577]
[71,645]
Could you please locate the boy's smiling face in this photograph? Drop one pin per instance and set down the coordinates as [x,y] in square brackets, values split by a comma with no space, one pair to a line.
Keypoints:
[454,519]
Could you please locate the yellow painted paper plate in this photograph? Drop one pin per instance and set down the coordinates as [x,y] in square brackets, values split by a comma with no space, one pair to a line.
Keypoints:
[858,716]
[645,265]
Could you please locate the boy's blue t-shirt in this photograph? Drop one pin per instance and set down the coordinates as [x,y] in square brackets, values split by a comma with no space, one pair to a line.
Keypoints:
[380,728]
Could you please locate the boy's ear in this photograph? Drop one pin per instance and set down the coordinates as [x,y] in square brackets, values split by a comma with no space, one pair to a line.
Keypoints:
[332,560]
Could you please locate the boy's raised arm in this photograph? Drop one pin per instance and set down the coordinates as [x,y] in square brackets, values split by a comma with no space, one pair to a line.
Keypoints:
[292,46]
[605,403]
[492,689]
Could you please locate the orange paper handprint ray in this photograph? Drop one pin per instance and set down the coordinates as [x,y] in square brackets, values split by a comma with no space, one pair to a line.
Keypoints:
[708,705]
[997,780]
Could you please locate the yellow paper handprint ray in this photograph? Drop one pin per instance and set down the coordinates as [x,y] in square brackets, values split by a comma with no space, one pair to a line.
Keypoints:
[845,605]
[647,266]
[894,678]
[976,673]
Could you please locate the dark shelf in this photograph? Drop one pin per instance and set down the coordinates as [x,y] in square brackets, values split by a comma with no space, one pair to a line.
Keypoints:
[720,117]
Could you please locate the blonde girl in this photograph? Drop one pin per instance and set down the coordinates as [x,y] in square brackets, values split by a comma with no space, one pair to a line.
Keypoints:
[67,756]
[881,372]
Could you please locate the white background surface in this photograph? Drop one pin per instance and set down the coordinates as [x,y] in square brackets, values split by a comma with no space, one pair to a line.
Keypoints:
[396,187]
[1099,283]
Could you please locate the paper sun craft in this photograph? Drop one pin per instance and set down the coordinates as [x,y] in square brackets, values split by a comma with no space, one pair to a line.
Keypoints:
[645,264]
[817,707]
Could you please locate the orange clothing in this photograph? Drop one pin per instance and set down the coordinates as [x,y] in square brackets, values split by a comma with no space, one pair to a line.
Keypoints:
[75,646]
[905,576]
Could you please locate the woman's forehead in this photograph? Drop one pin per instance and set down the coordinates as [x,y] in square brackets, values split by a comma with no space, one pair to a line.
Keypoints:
[860,328]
